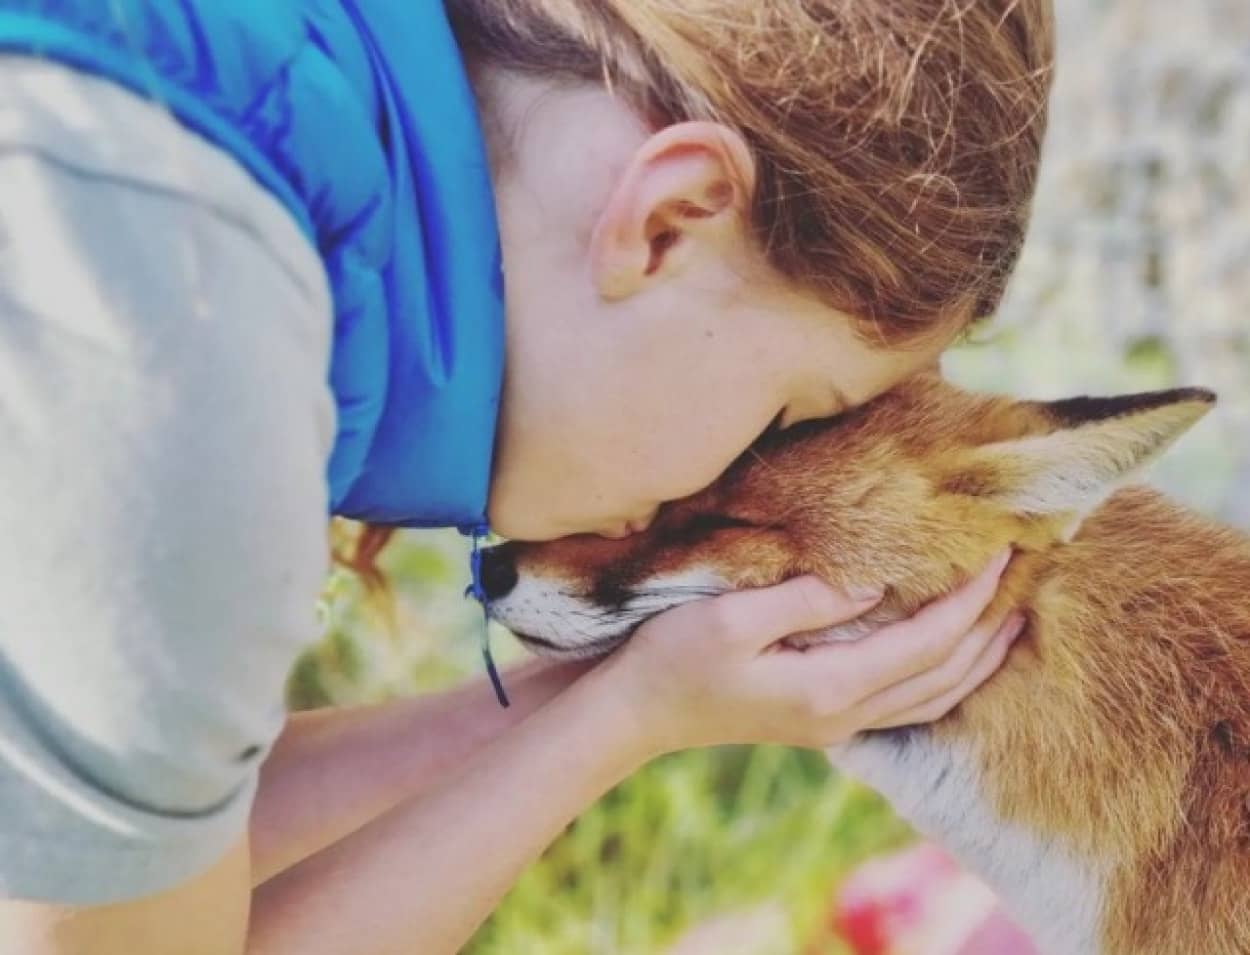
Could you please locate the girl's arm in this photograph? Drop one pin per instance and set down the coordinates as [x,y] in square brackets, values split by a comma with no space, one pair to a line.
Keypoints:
[421,877]
[333,770]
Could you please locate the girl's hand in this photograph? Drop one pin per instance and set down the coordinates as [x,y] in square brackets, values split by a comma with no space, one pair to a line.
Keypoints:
[704,674]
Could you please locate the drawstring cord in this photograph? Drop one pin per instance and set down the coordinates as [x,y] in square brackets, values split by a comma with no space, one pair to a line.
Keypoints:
[478,593]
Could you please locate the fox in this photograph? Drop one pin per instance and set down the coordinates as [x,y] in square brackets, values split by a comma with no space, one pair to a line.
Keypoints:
[1100,780]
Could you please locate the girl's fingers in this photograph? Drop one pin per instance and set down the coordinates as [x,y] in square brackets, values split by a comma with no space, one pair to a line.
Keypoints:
[751,620]
[918,690]
[914,701]
[900,651]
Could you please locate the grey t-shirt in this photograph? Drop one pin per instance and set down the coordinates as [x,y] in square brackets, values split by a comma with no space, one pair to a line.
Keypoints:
[164,426]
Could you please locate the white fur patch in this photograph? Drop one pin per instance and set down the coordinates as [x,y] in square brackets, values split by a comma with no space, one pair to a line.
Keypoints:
[565,623]
[657,594]
[1055,896]
[551,613]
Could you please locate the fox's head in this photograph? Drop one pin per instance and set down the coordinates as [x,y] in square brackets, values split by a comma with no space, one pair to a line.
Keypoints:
[914,492]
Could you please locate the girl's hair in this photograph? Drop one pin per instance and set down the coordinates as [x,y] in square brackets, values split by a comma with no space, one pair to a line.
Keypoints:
[357,548]
[896,141]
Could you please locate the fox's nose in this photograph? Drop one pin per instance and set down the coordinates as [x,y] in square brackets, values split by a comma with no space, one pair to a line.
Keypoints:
[499,574]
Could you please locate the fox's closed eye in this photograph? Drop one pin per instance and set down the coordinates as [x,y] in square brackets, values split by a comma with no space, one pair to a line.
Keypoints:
[711,523]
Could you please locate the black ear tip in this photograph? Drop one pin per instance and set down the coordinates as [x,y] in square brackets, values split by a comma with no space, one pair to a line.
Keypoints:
[1074,412]
[1201,395]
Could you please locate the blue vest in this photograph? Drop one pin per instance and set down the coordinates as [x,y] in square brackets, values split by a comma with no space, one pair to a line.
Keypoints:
[358,116]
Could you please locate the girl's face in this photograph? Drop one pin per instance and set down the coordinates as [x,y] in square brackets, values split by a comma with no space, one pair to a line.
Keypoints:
[648,343]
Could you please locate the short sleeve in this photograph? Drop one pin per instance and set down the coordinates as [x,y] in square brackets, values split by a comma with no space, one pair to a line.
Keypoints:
[164,430]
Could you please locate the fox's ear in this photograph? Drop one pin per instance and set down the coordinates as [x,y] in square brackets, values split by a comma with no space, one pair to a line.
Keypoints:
[1093,445]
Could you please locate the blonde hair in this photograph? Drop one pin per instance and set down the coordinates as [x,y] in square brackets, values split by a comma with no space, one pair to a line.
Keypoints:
[897,141]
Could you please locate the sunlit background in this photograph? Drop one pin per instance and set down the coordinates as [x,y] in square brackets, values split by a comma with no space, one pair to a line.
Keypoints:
[1136,276]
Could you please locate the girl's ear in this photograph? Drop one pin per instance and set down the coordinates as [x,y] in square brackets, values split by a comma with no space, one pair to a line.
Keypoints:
[688,185]
[1093,446]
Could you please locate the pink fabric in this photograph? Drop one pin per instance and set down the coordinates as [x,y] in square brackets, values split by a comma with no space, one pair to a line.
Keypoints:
[919,902]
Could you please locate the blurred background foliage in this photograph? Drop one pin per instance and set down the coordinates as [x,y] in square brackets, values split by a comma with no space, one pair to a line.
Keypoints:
[1136,275]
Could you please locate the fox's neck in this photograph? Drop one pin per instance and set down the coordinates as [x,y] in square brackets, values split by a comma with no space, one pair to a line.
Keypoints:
[936,782]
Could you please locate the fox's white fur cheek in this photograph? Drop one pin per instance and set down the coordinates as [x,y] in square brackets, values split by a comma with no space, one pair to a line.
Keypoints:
[936,785]
[565,623]
[666,591]
[551,613]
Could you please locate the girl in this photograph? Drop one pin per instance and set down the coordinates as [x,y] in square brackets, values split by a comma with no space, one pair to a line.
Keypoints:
[252,270]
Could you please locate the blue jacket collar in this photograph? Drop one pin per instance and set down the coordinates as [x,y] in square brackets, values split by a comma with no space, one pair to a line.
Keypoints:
[428,460]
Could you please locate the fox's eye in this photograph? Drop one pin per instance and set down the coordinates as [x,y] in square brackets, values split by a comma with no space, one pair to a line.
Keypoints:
[711,523]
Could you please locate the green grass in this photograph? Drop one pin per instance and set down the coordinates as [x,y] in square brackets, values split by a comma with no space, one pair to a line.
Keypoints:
[690,837]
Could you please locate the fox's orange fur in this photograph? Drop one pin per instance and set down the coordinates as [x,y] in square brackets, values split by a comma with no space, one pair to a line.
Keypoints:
[1103,775]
